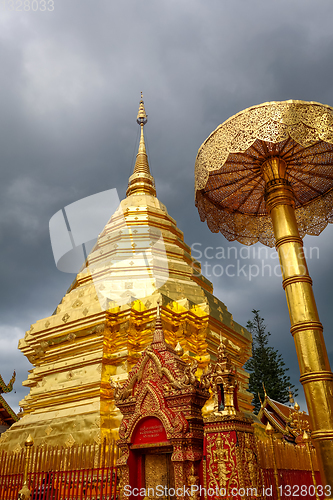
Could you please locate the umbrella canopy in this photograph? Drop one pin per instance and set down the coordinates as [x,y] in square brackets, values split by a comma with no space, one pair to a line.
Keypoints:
[229,184]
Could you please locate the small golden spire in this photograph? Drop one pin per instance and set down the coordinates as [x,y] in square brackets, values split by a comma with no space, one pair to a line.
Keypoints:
[142,117]
[158,336]
[141,181]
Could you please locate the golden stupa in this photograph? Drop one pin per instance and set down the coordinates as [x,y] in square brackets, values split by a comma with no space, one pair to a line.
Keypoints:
[107,318]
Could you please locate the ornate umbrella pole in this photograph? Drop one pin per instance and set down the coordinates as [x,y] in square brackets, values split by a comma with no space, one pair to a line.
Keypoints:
[266,174]
[316,376]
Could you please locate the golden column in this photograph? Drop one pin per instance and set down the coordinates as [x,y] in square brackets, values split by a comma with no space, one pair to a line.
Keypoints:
[266,175]
[316,375]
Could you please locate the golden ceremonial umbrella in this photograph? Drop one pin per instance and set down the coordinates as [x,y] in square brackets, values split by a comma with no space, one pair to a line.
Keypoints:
[266,174]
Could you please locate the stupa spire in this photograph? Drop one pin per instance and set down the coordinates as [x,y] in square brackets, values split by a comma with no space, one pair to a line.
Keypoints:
[141,181]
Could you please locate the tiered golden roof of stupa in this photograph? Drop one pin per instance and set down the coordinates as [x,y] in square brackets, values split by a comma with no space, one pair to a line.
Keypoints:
[107,318]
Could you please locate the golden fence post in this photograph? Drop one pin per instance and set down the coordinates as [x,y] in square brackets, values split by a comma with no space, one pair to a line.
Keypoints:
[270,431]
[25,493]
[306,440]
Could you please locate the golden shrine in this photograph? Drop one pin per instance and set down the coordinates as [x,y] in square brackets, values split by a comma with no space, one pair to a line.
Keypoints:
[107,319]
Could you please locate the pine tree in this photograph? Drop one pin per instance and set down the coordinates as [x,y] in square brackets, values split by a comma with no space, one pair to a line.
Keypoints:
[266,366]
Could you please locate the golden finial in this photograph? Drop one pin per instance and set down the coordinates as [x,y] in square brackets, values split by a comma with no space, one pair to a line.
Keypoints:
[305,437]
[269,429]
[158,336]
[141,182]
[179,350]
[142,117]
[296,406]
[29,441]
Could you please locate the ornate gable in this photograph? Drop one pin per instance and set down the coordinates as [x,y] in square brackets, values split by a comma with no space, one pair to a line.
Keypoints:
[288,421]
[161,403]
[160,386]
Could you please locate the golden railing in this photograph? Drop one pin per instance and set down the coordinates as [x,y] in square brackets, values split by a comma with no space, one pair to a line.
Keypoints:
[287,455]
[80,471]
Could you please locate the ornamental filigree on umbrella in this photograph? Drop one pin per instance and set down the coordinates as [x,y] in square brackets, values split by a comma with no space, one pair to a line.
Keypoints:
[230,182]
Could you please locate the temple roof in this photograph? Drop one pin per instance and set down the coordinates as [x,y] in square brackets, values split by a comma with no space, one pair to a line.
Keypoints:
[288,421]
[7,415]
[9,386]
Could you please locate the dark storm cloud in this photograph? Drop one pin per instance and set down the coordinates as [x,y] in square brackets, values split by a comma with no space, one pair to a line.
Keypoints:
[69,89]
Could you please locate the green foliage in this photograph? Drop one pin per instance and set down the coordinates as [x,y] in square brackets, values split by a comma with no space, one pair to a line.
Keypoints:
[266,366]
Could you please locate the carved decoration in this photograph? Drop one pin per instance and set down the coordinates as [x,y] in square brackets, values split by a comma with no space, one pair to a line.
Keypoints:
[231,455]
[193,480]
[222,462]
[250,461]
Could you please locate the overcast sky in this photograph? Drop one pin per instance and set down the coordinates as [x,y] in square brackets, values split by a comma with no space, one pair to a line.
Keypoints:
[70,87]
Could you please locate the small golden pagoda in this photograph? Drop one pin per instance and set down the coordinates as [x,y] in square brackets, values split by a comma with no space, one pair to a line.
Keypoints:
[107,319]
